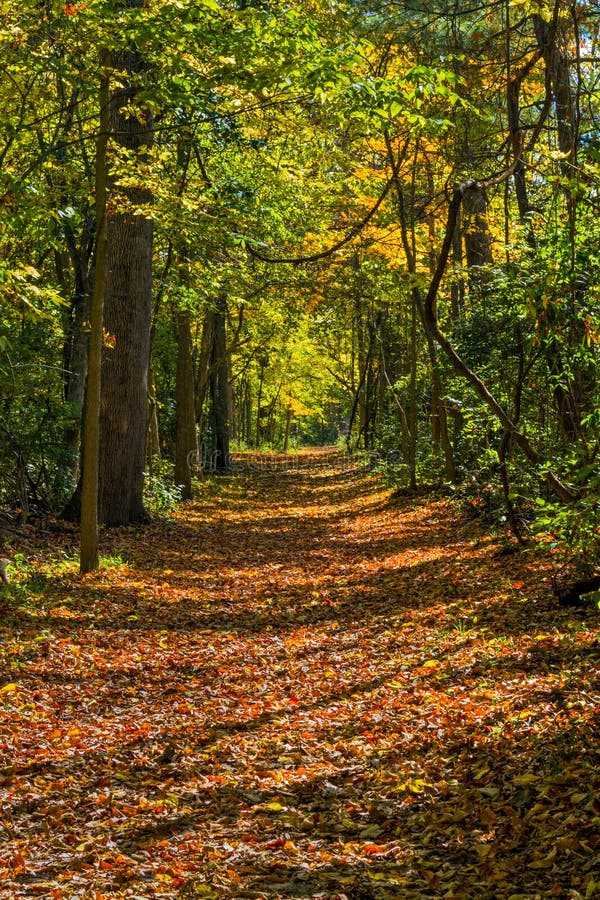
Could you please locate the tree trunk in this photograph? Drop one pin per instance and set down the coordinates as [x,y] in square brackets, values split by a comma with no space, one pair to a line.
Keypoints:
[263,364]
[439,420]
[288,423]
[548,35]
[153,433]
[204,359]
[219,389]
[552,39]
[76,362]
[91,439]
[478,245]
[127,318]
[412,394]
[186,441]
[248,414]
[431,323]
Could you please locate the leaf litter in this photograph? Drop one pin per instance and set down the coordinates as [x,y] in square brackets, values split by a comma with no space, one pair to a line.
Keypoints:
[298,687]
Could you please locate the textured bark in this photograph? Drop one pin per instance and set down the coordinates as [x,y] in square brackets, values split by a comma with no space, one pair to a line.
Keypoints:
[558,76]
[478,246]
[127,321]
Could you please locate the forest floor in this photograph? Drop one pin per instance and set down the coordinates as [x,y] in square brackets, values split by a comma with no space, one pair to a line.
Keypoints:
[297,686]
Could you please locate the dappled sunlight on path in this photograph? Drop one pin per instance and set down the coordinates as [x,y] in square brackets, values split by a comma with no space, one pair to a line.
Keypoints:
[300,687]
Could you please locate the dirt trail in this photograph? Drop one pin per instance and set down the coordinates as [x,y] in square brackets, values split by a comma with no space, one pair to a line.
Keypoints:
[300,688]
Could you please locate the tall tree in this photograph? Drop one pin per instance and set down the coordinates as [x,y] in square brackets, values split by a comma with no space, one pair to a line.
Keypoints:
[128,302]
[186,441]
[91,434]
[219,387]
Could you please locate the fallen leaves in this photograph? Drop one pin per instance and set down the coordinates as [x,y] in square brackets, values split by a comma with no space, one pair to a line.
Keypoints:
[297,688]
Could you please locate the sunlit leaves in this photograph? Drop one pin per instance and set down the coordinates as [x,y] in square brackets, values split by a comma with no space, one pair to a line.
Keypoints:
[298,676]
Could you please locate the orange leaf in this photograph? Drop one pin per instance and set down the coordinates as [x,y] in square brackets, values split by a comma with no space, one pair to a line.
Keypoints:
[373,848]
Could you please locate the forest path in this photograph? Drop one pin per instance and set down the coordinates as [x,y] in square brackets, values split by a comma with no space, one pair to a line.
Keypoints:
[299,687]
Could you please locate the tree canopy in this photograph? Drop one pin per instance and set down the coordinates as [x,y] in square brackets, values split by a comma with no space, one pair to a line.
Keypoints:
[368,223]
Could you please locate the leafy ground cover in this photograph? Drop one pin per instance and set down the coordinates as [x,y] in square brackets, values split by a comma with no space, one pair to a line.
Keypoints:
[298,687]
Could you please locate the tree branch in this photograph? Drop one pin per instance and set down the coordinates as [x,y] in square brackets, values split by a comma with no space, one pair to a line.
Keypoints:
[314,257]
[431,324]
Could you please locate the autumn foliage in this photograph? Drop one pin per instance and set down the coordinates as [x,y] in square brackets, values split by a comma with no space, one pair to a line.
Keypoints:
[297,686]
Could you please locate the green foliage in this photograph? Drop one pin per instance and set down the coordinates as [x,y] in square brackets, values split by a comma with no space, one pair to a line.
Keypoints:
[573,528]
[161,494]
[278,129]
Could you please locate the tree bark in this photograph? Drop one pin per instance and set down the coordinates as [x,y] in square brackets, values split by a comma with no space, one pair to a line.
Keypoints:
[127,317]
[478,249]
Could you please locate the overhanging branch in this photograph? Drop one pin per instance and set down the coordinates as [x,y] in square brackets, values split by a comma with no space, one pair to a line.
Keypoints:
[323,254]
[432,325]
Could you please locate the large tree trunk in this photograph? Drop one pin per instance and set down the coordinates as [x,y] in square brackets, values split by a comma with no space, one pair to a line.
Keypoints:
[127,320]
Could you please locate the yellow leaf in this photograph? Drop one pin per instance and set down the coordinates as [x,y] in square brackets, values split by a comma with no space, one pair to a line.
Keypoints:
[523,780]
[8,688]
[431,664]
[546,862]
